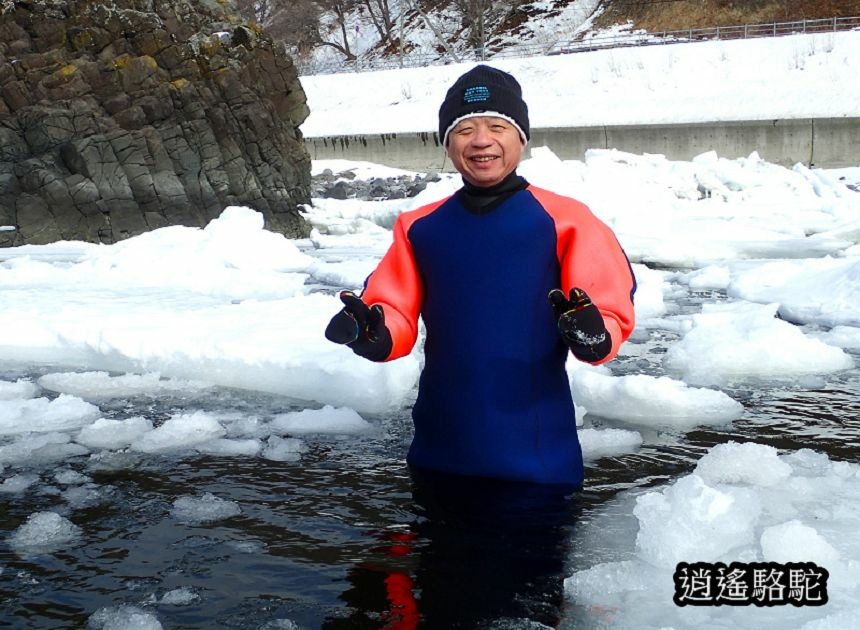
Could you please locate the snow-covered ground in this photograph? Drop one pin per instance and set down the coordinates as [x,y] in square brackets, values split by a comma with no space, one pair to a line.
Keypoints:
[792,77]
[778,249]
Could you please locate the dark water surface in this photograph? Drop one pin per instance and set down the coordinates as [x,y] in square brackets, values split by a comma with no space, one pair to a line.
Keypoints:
[347,537]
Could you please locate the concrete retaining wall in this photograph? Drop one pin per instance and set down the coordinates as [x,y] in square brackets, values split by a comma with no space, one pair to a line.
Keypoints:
[822,142]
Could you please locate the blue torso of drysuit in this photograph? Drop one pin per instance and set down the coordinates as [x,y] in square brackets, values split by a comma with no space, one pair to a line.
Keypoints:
[494,398]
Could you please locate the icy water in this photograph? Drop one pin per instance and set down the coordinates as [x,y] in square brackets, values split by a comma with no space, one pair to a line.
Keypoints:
[347,537]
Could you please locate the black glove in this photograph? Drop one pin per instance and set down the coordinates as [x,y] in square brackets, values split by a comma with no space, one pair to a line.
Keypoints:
[360,327]
[581,325]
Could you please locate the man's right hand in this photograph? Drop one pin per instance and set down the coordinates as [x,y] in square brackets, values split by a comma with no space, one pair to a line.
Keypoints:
[360,327]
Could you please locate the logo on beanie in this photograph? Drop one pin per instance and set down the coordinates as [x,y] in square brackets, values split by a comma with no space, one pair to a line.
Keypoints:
[476,94]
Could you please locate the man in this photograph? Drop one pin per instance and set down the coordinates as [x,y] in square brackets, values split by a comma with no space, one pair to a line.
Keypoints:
[507,278]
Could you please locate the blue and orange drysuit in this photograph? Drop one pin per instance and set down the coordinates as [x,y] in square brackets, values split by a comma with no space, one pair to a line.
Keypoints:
[494,398]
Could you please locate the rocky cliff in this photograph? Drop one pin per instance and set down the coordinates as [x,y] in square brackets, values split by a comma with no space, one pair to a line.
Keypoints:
[120,117]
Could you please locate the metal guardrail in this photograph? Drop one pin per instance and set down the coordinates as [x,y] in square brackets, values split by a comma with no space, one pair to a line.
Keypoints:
[585,44]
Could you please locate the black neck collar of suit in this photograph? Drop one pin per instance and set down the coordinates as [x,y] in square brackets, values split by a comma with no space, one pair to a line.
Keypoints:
[479,200]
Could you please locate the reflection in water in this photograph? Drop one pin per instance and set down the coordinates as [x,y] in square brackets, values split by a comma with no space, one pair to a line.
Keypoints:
[479,551]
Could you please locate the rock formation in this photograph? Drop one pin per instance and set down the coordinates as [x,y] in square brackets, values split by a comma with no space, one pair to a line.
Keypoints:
[120,117]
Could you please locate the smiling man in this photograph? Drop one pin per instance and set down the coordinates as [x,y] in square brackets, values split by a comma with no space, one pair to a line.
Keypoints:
[508,278]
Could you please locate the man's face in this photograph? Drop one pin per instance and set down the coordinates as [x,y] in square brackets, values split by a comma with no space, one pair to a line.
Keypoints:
[485,149]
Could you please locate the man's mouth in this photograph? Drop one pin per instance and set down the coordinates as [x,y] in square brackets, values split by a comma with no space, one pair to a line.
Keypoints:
[483,158]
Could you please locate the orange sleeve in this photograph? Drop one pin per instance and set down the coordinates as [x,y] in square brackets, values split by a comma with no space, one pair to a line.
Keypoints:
[592,259]
[396,285]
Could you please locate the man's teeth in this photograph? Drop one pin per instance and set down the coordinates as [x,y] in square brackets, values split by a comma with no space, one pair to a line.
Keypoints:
[484,158]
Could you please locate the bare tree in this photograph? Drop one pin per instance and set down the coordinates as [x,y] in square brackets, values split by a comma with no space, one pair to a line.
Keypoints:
[297,24]
[260,11]
[337,36]
[305,24]
[481,19]
[380,14]
[437,33]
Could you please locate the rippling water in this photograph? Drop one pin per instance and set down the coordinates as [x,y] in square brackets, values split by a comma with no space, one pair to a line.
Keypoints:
[347,537]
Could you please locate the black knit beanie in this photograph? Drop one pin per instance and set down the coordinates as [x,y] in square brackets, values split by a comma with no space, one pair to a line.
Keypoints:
[484,91]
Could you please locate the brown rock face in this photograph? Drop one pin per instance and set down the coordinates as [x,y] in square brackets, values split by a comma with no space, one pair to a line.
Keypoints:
[120,117]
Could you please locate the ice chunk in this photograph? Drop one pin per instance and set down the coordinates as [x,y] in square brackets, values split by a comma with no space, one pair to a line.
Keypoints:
[608,442]
[43,532]
[113,434]
[712,277]
[808,463]
[795,542]
[21,388]
[233,256]
[824,291]
[179,597]
[41,415]
[328,420]
[741,340]
[123,618]
[747,463]
[649,400]
[247,447]
[87,495]
[180,432]
[37,449]
[810,516]
[605,578]
[284,449]
[238,235]
[836,621]
[17,483]
[690,519]
[204,509]
[649,292]
[101,385]
[70,478]
[847,337]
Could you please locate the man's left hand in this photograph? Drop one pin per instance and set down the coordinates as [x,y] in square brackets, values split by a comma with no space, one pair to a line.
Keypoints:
[581,325]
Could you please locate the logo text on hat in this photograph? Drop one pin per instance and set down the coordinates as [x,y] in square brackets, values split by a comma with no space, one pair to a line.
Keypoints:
[476,94]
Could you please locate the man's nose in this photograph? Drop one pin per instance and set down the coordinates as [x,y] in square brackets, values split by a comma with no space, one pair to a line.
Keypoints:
[481,137]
